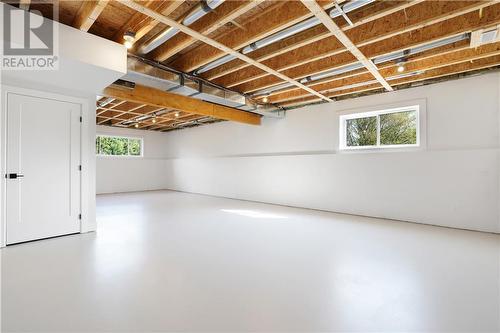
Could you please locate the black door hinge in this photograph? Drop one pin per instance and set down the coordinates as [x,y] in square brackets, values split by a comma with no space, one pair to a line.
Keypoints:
[79,216]
[80,167]
[81,119]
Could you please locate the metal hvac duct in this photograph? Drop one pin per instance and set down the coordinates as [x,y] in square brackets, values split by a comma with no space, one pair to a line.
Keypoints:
[141,72]
[201,10]
[378,60]
[290,31]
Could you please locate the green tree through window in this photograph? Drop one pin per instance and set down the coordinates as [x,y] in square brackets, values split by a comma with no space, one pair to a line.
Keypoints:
[362,131]
[118,146]
[134,147]
[379,129]
[398,128]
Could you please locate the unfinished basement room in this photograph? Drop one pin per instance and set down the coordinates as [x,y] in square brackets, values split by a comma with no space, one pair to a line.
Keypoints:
[250,166]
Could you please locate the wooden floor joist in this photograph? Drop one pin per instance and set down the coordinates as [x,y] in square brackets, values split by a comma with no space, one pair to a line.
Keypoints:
[427,60]
[420,15]
[274,19]
[317,56]
[137,21]
[450,48]
[217,45]
[454,69]
[285,54]
[24,4]
[443,29]
[155,97]
[88,13]
[423,65]
[320,13]
[224,14]
[141,24]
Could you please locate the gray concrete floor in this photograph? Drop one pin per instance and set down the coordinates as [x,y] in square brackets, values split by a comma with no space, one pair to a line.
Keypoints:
[168,261]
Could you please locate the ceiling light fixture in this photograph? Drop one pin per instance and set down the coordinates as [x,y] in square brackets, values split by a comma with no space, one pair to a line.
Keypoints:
[401,66]
[176,115]
[129,38]
[136,125]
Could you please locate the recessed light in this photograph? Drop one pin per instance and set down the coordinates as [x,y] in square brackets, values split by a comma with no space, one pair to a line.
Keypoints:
[401,67]
[129,38]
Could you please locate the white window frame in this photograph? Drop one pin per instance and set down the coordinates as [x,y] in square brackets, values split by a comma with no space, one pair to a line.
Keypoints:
[343,124]
[122,137]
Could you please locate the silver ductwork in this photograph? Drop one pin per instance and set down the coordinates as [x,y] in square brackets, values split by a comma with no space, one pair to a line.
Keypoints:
[290,31]
[200,10]
[146,74]
[357,65]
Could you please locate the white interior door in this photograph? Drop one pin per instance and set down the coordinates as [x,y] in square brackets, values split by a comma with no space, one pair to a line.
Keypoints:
[42,168]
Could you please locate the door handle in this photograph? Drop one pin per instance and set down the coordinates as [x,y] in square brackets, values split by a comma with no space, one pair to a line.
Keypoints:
[14,175]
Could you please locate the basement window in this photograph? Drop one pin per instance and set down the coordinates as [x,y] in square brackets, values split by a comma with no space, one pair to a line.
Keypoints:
[106,145]
[393,128]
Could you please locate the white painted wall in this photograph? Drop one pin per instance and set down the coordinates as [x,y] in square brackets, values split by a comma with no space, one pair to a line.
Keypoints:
[126,174]
[454,181]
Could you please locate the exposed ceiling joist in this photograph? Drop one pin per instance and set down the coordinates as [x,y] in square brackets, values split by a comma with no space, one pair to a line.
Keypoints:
[420,65]
[320,13]
[142,24]
[24,4]
[117,112]
[155,97]
[216,45]
[141,116]
[454,69]
[224,14]
[88,13]
[275,18]
[467,21]
[306,38]
[171,122]
[135,22]
[439,51]
[421,14]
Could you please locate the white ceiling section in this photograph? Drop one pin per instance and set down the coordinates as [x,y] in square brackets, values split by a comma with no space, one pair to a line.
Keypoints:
[87,63]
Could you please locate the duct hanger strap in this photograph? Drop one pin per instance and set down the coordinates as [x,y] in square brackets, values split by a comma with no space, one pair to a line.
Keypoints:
[253,46]
[205,7]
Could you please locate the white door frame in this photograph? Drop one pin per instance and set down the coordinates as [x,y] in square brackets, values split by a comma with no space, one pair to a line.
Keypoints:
[85,224]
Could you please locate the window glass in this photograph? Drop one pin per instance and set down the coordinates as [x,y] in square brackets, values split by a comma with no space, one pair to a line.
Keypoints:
[361,132]
[380,129]
[399,128]
[134,146]
[118,146]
